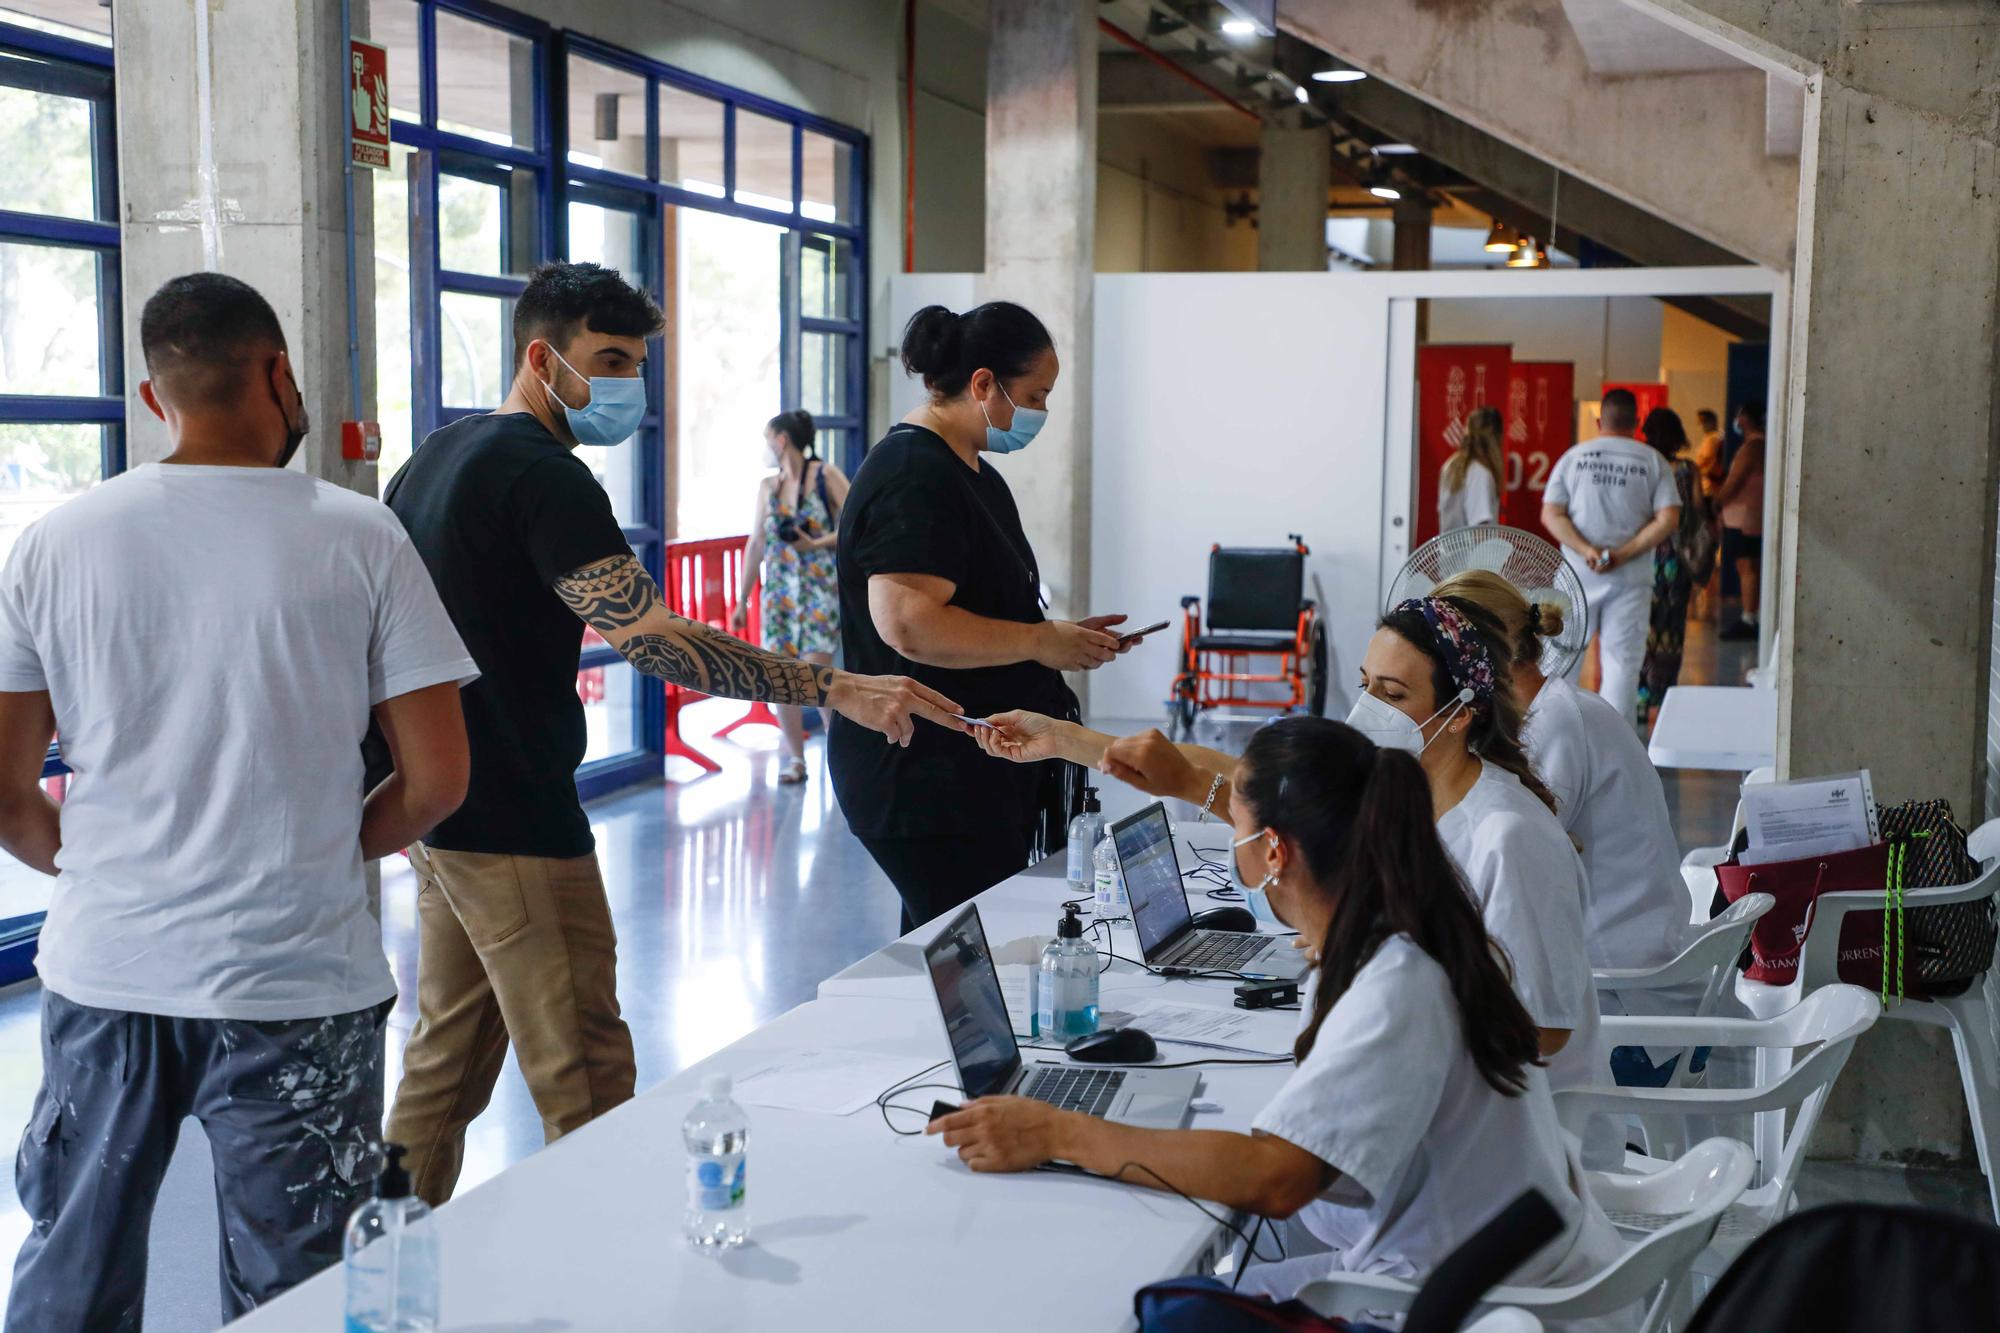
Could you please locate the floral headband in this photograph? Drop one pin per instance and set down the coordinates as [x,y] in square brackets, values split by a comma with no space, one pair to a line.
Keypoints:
[1467,659]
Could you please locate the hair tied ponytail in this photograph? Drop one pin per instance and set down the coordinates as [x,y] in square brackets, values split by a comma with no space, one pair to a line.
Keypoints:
[1534,617]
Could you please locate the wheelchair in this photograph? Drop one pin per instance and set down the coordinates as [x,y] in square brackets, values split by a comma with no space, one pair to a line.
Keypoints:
[1257,609]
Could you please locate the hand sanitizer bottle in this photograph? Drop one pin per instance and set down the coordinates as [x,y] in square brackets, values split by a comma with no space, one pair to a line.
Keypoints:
[1068,982]
[392,1270]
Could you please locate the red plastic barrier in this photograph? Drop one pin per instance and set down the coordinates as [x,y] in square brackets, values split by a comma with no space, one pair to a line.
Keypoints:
[700,583]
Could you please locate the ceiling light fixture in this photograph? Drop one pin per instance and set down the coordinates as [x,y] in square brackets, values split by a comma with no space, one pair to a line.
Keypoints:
[1385,192]
[1299,91]
[1394,149]
[1331,75]
[1498,242]
[1238,28]
[1524,256]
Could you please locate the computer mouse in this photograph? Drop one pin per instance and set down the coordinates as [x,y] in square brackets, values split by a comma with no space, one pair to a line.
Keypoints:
[1119,1046]
[1226,918]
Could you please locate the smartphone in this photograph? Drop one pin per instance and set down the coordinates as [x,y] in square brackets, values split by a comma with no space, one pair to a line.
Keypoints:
[1139,634]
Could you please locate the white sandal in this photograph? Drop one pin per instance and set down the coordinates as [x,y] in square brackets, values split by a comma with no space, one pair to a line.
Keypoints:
[793,773]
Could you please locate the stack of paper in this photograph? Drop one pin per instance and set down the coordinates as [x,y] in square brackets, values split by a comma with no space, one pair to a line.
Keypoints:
[1788,821]
[1252,1031]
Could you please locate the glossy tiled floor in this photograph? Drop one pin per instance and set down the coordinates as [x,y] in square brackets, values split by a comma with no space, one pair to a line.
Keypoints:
[733,898]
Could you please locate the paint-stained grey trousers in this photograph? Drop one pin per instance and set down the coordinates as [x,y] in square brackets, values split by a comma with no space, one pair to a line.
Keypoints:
[292,1111]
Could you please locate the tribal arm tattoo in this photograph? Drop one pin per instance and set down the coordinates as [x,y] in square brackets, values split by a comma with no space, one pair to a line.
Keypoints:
[618,598]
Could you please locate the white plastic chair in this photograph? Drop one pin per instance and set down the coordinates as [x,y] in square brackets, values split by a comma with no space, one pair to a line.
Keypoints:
[1709,958]
[1830,1021]
[1687,1198]
[1969,1017]
[1698,866]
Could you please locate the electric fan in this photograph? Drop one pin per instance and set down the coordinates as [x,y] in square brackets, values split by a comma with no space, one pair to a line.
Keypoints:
[1528,562]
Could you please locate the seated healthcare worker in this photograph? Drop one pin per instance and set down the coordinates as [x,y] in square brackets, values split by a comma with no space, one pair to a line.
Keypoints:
[1416,1110]
[1610,799]
[1491,810]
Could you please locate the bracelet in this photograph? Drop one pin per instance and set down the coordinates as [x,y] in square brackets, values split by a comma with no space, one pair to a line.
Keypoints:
[1213,788]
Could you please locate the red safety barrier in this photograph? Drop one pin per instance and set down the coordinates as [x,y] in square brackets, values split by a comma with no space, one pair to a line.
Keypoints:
[700,583]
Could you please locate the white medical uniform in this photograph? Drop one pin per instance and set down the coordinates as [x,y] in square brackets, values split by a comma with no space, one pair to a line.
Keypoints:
[1427,1150]
[1612,486]
[1531,889]
[1609,798]
[1476,500]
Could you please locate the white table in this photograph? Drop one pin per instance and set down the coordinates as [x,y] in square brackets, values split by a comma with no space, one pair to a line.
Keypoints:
[1716,726]
[851,1226]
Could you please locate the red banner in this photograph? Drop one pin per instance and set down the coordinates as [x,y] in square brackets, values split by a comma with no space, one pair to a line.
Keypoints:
[1650,396]
[1541,418]
[1452,380]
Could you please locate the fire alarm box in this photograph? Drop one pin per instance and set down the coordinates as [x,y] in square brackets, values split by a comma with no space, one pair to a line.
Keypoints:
[361,441]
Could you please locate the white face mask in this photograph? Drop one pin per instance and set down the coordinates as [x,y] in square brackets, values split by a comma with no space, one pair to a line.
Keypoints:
[1391,728]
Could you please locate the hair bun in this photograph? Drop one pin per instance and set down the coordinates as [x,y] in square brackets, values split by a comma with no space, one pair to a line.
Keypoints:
[1545,619]
[932,341]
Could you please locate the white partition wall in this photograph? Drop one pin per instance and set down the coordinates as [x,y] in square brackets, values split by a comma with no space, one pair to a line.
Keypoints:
[1234,408]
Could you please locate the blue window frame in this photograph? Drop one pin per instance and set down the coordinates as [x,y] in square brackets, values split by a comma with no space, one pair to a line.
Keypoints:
[494,188]
[62,374]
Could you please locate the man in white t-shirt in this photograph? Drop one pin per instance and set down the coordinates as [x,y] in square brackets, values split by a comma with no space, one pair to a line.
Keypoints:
[208,637]
[1610,502]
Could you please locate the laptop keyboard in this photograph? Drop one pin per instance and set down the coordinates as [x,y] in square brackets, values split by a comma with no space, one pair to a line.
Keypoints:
[1090,1091]
[1221,951]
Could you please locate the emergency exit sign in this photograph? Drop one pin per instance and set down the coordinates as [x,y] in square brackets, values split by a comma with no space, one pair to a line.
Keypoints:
[368,104]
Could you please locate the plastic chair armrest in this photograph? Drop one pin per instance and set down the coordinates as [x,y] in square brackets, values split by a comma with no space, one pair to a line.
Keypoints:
[1352,1293]
[1819,959]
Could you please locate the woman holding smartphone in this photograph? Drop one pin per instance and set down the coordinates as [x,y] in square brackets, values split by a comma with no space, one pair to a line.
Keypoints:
[937,575]
[1417,1108]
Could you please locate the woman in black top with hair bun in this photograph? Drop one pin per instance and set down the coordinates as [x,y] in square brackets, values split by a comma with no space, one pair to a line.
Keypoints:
[938,579]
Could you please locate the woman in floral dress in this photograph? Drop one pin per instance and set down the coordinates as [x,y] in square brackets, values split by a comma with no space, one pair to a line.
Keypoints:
[792,541]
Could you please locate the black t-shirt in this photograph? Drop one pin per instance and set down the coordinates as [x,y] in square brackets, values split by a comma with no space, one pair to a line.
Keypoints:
[499,509]
[914,508]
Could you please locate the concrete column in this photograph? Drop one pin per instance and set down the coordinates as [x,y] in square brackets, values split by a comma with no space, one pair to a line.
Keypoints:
[1883,632]
[1041,211]
[232,134]
[1294,173]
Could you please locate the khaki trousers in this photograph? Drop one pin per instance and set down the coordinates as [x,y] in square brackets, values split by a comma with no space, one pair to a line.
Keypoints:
[516,947]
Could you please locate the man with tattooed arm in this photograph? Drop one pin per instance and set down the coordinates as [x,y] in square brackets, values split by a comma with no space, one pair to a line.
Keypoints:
[515,930]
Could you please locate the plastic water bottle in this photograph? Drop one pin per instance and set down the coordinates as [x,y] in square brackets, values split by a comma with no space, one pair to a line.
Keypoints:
[1084,831]
[1109,890]
[717,1134]
[392,1271]
[1067,986]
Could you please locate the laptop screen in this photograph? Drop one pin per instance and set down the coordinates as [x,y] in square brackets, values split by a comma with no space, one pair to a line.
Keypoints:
[1145,845]
[974,1010]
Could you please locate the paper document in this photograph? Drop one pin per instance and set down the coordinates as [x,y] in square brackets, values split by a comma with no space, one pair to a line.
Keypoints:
[1256,1031]
[1016,988]
[1815,817]
[831,1082]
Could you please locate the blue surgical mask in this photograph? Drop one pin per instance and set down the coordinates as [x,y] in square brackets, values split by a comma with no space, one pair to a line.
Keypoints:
[617,404]
[1253,894]
[1028,423]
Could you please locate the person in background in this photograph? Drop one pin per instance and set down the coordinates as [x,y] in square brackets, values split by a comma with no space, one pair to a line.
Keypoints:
[1609,502]
[1417,1108]
[1673,583]
[1706,455]
[937,579]
[792,541]
[1610,800]
[1469,485]
[516,939]
[1741,500]
[209,636]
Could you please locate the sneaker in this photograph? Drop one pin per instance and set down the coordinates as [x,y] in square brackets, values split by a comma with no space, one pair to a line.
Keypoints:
[1741,629]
